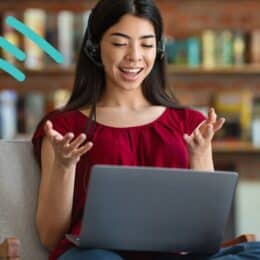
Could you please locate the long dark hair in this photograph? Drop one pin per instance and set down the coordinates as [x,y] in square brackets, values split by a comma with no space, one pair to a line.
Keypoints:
[90,78]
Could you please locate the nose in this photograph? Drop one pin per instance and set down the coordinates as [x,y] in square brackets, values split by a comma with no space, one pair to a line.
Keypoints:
[134,54]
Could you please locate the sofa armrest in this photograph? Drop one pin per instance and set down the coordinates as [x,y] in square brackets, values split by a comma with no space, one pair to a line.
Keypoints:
[241,239]
[9,249]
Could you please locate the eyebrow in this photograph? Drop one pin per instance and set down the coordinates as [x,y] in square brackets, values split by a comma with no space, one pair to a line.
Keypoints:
[128,37]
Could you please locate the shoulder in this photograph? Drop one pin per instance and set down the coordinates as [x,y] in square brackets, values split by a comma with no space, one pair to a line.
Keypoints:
[187,118]
[186,113]
[63,122]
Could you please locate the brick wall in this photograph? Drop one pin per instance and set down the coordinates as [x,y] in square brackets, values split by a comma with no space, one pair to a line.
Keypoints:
[188,17]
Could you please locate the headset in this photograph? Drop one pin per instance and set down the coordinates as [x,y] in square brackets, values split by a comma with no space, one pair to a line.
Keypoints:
[92,50]
[161,45]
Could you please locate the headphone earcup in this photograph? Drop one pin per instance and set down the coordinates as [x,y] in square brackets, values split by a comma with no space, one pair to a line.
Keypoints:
[161,49]
[93,52]
[92,49]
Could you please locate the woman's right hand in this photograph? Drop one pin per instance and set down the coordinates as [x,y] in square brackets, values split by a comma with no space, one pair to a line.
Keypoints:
[67,151]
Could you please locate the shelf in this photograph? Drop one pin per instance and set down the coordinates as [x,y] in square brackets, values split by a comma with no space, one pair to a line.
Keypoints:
[45,79]
[227,147]
[58,77]
[63,77]
[49,71]
[172,69]
[52,5]
[232,70]
[234,147]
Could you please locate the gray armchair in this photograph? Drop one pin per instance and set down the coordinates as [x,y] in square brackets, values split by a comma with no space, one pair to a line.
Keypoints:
[19,180]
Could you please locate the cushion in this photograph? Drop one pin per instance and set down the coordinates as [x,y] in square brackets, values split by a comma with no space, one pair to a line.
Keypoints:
[19,181]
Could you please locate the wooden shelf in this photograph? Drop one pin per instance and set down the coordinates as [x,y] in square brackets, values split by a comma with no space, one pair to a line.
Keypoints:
[172,69]
[53,70]
[246,69]
[63,77]
[232,70]
[44,80]
[52,5]
[228,147]
[234,147]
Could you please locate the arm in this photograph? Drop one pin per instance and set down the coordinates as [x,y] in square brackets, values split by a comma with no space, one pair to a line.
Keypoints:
[59,156]
[199,143]
[203,162]
[55,198]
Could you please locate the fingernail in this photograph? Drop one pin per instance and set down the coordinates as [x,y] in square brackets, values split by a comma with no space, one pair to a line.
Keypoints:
[70,135]
[58,138]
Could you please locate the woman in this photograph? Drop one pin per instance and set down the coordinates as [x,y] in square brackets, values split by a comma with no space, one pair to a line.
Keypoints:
[119,113]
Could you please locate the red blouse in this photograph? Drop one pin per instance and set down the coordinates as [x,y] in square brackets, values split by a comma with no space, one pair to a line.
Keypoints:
[158,143]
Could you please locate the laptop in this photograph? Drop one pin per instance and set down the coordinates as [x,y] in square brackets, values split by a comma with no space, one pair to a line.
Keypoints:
[156,209]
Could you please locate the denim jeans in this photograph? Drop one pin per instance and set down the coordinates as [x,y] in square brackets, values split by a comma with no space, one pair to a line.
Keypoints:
[243,251]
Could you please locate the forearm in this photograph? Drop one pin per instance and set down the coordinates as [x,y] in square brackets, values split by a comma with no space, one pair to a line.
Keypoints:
[202,162]
[55,205]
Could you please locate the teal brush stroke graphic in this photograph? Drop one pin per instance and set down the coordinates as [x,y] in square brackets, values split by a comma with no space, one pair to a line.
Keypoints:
[9,68]
[22,28]
[19,55]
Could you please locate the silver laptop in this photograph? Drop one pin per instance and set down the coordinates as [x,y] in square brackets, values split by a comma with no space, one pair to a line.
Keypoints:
[156,209]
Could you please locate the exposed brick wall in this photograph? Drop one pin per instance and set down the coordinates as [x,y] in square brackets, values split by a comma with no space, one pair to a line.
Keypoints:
[183,17]
[188,17]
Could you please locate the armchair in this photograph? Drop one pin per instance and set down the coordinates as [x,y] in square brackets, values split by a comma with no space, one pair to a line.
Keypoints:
[19,180]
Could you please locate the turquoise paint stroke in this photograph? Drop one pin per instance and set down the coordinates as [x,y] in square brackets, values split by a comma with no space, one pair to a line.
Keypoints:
[42,43]
[9,68]
[7,46]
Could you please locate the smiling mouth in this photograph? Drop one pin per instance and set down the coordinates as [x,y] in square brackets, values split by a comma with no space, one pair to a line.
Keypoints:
[130,74]
[131,71]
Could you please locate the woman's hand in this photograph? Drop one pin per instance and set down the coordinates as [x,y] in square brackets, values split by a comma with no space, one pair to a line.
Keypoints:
[67,151]
[199,142]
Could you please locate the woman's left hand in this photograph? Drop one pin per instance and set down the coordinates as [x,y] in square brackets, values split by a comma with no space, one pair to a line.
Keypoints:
[199,142]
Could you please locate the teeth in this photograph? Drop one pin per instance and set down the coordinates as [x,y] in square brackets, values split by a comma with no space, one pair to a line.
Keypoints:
[131,70]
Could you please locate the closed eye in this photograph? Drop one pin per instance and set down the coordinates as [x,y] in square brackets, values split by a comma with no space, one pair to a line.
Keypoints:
[147,46]
[124,44]
[119,44]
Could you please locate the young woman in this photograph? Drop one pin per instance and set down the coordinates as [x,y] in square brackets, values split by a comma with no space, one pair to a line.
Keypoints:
[119,113]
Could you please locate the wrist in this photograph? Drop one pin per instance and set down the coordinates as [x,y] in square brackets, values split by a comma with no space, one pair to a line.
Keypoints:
[63,168]
[202,161]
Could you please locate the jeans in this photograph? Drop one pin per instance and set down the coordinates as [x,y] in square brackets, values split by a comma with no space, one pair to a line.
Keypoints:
[243,251]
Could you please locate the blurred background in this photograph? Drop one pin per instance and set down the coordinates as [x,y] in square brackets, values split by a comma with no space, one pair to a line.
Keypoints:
[213,59]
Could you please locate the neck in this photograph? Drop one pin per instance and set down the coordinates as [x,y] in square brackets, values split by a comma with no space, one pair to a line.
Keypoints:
[125,99]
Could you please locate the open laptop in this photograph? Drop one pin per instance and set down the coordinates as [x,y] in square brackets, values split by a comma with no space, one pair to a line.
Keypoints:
[156,209]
